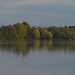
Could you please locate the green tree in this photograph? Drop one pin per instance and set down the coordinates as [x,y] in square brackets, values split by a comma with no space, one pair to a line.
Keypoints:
[28,27]
[21,31]
[0,34]
[11,30]
[4,32]
[55,31]
[62,35]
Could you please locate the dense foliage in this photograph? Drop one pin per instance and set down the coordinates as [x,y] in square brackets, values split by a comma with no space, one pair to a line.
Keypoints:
[25,31]
[62,32]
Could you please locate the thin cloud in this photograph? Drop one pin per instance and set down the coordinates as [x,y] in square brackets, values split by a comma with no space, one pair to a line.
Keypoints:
[29,2]
[34,2]
[26,2]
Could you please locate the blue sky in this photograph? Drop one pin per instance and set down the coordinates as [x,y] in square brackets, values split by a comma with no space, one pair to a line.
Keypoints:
[38,12]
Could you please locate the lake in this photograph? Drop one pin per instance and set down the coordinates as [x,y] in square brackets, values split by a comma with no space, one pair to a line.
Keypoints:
[37,57]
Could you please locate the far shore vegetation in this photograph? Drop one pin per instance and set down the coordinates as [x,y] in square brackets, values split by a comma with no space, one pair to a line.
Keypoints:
[25,31]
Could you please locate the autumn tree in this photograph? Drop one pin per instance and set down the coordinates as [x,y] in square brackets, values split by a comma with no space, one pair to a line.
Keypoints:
[49,35]
[43,33]
[36,33]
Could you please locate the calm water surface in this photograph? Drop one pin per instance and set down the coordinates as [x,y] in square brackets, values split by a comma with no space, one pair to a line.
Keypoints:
[37,57]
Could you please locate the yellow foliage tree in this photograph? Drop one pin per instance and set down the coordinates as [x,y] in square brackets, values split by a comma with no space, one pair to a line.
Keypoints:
[36,33]
[49,35]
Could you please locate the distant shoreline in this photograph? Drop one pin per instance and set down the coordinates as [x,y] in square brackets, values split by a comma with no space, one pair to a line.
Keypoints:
[25,31]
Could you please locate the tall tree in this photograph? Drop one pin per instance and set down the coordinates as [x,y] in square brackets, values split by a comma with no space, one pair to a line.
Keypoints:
[21,31]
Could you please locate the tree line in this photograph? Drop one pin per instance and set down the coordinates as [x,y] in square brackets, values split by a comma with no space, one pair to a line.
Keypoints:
[62,32]
[25,31]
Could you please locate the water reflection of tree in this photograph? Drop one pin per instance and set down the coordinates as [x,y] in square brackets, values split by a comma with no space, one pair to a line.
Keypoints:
[21,48]
[26,46]
[45,44]
[36,44]
[63,45]
[17,47]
